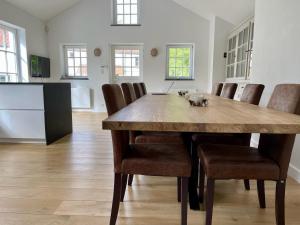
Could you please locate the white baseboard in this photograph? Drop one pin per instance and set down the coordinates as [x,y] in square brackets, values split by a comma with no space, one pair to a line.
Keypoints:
[294,172]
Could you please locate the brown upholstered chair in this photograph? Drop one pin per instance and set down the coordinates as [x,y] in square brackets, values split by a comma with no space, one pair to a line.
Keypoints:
[129,93]
[171,160]
[217,90]
[143,85]
[147,137]
[229,90]
[270,161]
[252,95]
[138,89]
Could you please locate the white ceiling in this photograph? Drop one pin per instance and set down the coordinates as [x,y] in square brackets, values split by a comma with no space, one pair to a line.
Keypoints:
[43,9]
[233,11]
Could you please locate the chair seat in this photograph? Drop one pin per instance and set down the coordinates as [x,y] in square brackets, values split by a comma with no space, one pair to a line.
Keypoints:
[236,162]
[159,137]
[225,139]
[157,160]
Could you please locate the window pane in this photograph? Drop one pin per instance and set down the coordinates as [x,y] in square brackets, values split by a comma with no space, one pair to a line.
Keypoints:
[11,63]
[133,1]
[127,62]
[172,52]
[178,72]
[10,41]
[119,61]
[186,72]
[83,62]
[71,62]
[2,62]
[126,9]
[84,71]
[179,52]
[179,62]
[83,53]
[119,71]
[172,62]
[119,1]
[1,39]
[133,9]
[77,71]
[135,72]
[71,71]
[127,72]
[127,19]
[126,1]
[77,52]
[120,19]
[118,53]
[77,62]
[134,19]
[70,53]
[172,72]
[120,9]
[135,62]
[127,53]
[186,61]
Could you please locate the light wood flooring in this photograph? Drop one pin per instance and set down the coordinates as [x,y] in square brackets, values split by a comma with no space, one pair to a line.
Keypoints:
[70,183]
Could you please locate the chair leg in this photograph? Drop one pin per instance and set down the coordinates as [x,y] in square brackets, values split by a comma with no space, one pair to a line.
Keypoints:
[210,189]
[184,193]
[116,199]
[247,184]
[179,189]
[124,184]
[201,183]
[280,202]
[193,180]
[130,180]
[261,193]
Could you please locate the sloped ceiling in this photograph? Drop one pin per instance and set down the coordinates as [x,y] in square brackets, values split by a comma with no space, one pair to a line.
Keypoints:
[233,11]
[43,9]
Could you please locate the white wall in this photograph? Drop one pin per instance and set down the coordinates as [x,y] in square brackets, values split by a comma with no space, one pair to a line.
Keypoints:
[32,32]
[35,28]
[163,22]
[277,52]
[219,31]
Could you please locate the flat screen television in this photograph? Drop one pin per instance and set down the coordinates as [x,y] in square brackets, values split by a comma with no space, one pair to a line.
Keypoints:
[40,66]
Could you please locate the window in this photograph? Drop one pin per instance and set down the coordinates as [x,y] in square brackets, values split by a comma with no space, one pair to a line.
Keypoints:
[126,12]
[127,61]
[75,61]
[8,54]
[180,62]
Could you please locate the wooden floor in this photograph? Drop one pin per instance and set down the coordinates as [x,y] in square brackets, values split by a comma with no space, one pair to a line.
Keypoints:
[70,183]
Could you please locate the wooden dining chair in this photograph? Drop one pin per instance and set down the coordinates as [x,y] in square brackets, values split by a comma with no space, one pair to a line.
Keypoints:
[144,88]
[229,90]
[251,95]
[138,89]
[270,161]
[148,137]
[169,160]
[217,90]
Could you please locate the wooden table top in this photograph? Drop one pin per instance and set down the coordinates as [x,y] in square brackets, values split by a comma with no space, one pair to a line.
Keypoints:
[173,113]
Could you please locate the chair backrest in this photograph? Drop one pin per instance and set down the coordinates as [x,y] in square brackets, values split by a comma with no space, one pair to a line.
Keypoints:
[138,90]
[229,90]
[129,93]
[252,93]
[286,98]
[114,101]
[143,85]
[217,90]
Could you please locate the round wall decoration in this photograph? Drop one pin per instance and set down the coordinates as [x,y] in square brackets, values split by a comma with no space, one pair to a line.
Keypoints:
[97,52]
[154,52]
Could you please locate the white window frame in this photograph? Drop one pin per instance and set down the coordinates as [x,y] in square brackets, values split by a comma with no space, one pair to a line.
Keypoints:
[192,56]
[65,48]
[115,14]
[118,79]
[16,53]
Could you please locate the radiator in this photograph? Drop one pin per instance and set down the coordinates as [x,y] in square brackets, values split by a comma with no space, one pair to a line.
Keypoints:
[81,98]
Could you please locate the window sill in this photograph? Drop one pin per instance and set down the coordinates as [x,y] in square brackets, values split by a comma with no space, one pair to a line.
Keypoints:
[174,79]
[74,78]
[126,25]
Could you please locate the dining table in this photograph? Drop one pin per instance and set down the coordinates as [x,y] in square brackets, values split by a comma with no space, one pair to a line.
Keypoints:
[173,113]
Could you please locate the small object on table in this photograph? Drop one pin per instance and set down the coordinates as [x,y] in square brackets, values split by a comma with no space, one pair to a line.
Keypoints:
[183,93]
[198,100]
